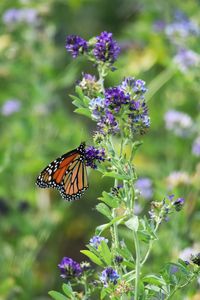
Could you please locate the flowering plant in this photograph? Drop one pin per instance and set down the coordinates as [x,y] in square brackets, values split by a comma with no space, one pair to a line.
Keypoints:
[122,245]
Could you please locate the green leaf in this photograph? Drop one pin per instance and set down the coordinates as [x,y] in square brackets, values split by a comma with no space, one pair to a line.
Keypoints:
[132,223]
[57,296]
[103,227]
[104,210]
[109,200]
[116,176]
[124,252]
[155,280]
[83,111]
[144,236]
[105,252]
[67,289]
[92,257]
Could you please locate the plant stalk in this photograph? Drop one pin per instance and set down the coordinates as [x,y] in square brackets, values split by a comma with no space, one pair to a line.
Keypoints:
[137,267]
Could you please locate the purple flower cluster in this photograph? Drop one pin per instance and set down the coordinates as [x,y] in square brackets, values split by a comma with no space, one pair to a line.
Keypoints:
[181,28]
[95,241]
[15,15]
[160,210]
[109,275]
[69,268]
[106,49]
[92,155]
[89,85]
[10,107]
[144,185]
[178,122]
[124,103]
[76,45]
[186,59]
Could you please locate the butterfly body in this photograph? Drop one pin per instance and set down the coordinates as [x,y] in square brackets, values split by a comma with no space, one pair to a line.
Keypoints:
[67,174]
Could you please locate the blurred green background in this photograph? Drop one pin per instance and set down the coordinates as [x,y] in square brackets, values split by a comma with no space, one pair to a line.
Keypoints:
[37,227]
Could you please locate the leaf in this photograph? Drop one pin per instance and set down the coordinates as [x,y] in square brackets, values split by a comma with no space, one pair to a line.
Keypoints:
[104,210]
[67,290]
[109,200]
[144,236]
[83,111]
[116,176]
[105,252]
[155,280]
[57,296]
[132,223]
[103,227]
[124,252]
[92,257]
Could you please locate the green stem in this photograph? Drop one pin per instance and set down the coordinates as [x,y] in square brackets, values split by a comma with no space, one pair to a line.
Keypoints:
[150,246]
[101,78]
[181,286]
[137,267]
[115,229]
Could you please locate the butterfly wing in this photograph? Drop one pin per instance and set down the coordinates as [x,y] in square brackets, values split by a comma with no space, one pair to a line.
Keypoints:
[67,174]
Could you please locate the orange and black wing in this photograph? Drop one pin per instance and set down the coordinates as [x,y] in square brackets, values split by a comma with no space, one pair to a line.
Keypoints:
[67,173]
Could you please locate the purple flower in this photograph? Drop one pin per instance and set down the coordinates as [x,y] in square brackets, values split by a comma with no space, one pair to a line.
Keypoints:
[92,155]
[196,146]
[144,185]
[132,85]
[10,106]
[109,275]
[181,28]
[115,98]
[178,204]
[14,15]
[186,59]
[178,122]
[76,45]
[95,241]
[106,49]
[97,107]
[69,268]
[118,259]
[174,269]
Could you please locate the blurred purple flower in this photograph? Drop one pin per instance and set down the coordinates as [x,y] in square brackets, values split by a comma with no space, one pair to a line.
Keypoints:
[159,25]
[14,15]
[196,146]
[69,268]
[173,269]
[92,155]
[137,208]
[109,275]
[177,178]
[144,185]
[187,253]
[10,106]
[95,241]
[76,45]
[186,59]
[181,27]
[106,49]
[178,122]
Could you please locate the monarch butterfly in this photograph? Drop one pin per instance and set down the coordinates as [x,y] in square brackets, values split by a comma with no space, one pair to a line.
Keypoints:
[67,174]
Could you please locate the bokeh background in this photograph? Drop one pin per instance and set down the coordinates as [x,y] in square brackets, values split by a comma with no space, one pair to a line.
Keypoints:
[37,227]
